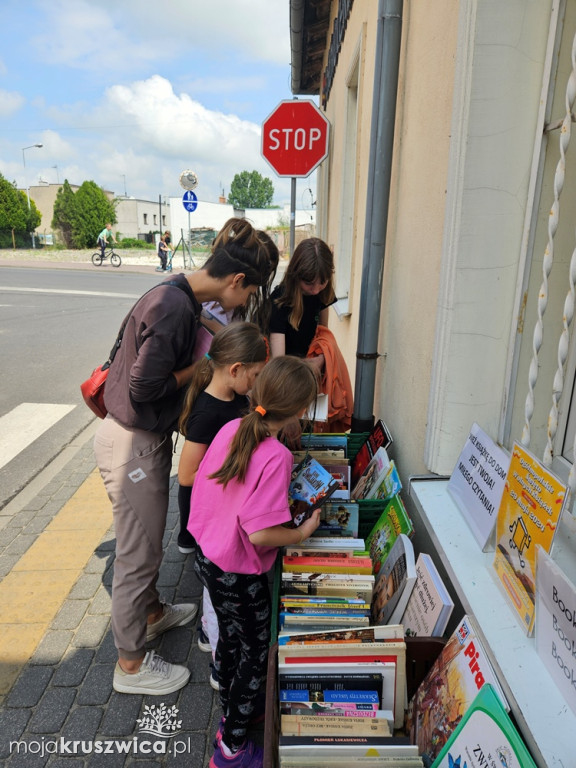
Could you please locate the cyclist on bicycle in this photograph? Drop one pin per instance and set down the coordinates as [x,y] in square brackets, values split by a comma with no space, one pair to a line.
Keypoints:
[103,239]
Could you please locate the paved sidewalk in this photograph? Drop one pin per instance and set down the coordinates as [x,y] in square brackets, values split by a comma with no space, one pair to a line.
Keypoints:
[64,693]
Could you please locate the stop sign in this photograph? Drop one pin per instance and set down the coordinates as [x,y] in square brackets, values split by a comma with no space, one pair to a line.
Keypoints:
[295,138]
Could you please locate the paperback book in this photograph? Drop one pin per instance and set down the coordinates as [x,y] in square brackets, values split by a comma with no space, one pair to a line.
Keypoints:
[305,725]
[379,437]
[394,583]
[528,517]
[373,475]
[338,519]
[327,565]
[310,486]
[429,606]
[485,736]
[393,521]
[451,685]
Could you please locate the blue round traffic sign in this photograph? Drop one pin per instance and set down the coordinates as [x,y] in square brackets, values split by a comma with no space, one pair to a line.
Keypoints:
[189,200]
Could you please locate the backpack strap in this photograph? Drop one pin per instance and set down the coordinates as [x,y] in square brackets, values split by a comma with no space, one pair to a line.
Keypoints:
[118,341]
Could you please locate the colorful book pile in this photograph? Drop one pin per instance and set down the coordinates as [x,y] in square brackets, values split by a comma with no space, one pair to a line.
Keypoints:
[341,694]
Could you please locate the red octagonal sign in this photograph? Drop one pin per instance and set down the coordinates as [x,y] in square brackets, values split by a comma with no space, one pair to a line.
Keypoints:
[295,138]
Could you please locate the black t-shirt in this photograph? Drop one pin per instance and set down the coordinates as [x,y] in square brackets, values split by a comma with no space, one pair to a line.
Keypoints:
[209,415]
[297,341]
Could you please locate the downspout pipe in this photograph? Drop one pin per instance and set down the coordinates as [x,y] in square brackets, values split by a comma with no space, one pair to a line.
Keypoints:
[388,40]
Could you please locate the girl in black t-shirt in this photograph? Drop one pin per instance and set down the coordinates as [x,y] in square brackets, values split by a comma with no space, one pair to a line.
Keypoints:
[302,299]
[216,395]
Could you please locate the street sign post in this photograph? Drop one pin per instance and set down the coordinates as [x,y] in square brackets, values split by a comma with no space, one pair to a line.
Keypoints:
[294,143]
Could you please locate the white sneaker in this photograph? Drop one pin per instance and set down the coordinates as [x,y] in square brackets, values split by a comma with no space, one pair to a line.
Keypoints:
[173,616]
[155,677]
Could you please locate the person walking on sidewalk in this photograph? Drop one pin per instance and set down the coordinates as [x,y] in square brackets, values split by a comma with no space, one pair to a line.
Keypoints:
[238,511]
[216,395]
[133,447]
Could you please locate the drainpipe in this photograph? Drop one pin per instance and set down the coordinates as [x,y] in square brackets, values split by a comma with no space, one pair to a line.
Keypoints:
[389,35]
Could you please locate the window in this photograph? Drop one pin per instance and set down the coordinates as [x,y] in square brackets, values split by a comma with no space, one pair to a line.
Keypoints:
[145,218]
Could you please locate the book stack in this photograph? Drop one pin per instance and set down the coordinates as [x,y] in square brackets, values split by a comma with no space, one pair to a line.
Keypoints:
[341,694]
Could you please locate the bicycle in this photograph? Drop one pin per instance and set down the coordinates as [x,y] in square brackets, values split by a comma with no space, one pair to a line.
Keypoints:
[110,253]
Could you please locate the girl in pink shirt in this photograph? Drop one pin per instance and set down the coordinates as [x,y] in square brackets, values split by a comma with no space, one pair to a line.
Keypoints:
[240,503]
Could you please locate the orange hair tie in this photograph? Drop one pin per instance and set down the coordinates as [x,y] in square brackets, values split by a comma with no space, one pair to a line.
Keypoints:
[259,409]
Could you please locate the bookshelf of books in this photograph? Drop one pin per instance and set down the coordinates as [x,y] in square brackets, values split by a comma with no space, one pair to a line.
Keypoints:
[544,718]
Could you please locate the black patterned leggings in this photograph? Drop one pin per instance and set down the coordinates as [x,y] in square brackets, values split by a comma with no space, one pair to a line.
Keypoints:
[243,606]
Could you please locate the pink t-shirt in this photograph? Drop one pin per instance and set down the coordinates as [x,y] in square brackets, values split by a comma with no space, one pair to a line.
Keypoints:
[221,519]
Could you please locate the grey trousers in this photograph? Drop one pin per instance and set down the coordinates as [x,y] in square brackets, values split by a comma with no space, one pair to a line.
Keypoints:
[135,466]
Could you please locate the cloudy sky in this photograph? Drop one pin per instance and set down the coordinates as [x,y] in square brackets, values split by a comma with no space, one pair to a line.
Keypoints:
[129,93]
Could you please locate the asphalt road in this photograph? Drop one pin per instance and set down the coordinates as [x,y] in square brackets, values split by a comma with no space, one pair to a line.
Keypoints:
[56,325]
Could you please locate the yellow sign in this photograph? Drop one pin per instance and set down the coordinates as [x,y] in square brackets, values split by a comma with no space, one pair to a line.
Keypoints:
[528,516]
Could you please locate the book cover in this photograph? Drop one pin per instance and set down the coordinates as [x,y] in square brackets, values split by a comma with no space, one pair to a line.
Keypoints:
[379,437]
[387,487]
[353,746]
[310,486]
[477,483]
[292,623]
[332,695]
[338,519]
[556,625]
[484,737]
[304,725]
[528,516]
[344,565]
[393,521]
[373,475]
[394,584]
[328,584]
[334,543]
[430,606]
[390,632]
[331,709]
[451,685]
[341,474]
[291,551]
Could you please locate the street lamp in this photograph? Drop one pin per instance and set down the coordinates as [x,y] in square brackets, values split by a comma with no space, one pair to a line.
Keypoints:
[32,146]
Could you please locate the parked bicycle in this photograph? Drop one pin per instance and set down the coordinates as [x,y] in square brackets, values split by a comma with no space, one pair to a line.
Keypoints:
[110,253]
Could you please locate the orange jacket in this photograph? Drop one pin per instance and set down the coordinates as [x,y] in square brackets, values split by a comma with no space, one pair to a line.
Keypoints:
[335,381]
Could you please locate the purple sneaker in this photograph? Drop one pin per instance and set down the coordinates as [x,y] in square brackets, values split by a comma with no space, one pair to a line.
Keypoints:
[218,737]
[250,756]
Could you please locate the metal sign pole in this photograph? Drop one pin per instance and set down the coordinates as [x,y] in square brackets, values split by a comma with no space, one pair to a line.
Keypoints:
[292,215]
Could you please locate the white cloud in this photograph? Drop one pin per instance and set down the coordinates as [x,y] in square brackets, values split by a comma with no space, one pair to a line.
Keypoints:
[10,102]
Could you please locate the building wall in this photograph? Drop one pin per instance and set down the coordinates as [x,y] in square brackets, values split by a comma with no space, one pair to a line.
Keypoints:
[470,90]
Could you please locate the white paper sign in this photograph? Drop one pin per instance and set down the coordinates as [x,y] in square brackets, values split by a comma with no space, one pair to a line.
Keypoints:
[477,483]
[556,625]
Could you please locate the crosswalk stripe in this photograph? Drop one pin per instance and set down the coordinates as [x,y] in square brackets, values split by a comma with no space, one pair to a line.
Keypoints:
[64,291]
[24,424]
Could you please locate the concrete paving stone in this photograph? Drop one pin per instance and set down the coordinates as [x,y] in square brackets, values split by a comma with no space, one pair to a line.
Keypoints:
[64,493]
[8,534]
[96,564]
[28,759]
[22,519]
[101,603]
[76,479]
[70,615]
[188,750]
[195,707]
[144,763]
[74,667]
[52,508]
[37,524]
[121,714]
[65,762]
[91,631]
[114,760]
[52,647]
[170,574]
[7,563]
[51,712]
[83,723]
[38,502]
[12,725]
[86,587]
[28,689]
[106,652]
[20,544]
[175,645]
[97,686]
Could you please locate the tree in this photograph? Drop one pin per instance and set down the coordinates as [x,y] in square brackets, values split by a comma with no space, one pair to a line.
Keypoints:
[16,219]
[249,189]
[81,216]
